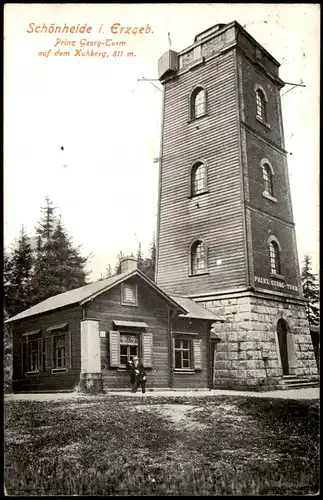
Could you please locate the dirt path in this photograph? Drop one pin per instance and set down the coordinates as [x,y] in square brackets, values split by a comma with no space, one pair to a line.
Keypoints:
[297,394]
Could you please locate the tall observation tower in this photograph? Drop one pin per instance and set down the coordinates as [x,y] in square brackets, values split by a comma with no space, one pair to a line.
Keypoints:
[226,234]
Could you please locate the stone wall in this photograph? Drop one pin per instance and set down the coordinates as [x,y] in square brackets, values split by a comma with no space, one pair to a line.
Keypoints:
[248,355]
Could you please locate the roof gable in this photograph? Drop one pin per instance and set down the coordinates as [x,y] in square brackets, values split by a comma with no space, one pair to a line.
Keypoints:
[89,292]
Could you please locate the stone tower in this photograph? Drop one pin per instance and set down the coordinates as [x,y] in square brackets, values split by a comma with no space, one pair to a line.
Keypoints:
[226,235]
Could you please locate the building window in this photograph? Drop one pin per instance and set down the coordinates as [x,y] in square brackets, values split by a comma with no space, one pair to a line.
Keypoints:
[198,258]
[129,294]
[59,350]
[183,354]
[261,105]
[129,347]
[197,103]
[31,352]
[268,179]
[33,355]
[198,178]
[274,258]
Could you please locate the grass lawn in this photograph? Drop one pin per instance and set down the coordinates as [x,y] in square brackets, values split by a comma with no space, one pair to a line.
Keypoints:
[119,445]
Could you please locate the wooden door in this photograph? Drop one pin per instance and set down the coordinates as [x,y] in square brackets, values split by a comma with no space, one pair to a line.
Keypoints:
[282,341]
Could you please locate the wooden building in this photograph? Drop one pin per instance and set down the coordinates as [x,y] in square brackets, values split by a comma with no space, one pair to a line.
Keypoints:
[84,338]
[226,234]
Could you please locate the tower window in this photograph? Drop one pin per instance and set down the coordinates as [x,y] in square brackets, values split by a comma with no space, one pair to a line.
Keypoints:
[198,179]
[198,103]
[274,255]
[268,179]
[261,105]
[198,258]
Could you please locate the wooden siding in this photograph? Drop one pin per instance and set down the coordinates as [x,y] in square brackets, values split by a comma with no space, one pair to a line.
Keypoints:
[46,380]
[153,311]
[218,217]
[201,378]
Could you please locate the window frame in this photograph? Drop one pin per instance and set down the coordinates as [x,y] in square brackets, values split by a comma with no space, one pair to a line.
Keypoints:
[263,164]
[27,339]
[198,89]
[273,243]
[55,336]
[31,352]
[123,366]
[122,290]
[181,349]
[192,193]
[260,95]
[196,242]
[55,331]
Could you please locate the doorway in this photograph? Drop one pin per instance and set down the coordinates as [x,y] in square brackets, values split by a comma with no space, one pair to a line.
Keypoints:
[282,330]
[314,331]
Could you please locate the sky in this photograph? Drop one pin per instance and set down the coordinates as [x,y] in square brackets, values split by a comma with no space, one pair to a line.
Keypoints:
[104,182]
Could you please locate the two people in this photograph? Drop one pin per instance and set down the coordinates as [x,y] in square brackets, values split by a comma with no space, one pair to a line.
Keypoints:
[137,375]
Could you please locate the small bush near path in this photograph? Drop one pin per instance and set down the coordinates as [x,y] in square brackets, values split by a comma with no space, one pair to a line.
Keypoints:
[116,445]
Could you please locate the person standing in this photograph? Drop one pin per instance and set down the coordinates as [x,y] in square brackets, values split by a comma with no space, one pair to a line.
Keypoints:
[137,375]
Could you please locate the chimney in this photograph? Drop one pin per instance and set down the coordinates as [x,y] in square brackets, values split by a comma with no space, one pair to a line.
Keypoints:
[128,264]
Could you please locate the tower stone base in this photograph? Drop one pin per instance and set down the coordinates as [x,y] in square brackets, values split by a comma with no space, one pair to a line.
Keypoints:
[253,352]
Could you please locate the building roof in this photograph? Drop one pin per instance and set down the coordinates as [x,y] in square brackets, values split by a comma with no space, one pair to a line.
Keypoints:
[81,295]
[68,298]
[195,310]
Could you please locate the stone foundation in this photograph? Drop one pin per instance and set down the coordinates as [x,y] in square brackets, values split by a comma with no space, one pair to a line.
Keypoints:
[91,383]
[248,354]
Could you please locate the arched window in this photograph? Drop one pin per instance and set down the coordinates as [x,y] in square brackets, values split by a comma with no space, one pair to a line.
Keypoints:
[274,255]
[268,179]
[198,103]
[198,257]
[198,178]
[261,105]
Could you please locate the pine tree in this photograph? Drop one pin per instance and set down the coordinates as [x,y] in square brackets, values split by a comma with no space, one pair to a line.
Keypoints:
[43,283]
[68,272]
[140,258]
[107,274]
[18,268]
[47,223]
[147,265]
[310,291]
[59,266]
[117,269]
[144,264]
[153,257]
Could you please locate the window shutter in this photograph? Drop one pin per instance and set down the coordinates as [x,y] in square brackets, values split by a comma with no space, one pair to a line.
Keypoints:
[49,352]
[147,349]
[197,354]
[114,338]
